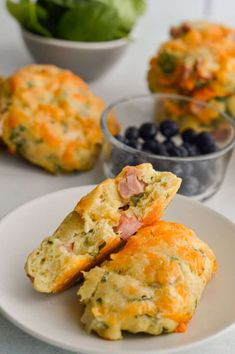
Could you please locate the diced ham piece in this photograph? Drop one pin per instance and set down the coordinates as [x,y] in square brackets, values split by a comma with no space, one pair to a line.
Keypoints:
[69,247]
[130,184]
[131,170]
[128,225]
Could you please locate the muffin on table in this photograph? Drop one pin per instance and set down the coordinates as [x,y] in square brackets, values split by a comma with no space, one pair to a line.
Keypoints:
[51,118]
[197,61]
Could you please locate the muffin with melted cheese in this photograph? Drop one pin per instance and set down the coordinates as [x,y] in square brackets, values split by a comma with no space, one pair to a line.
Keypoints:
[152,285]
[102,220]
[197,61]
[51,118]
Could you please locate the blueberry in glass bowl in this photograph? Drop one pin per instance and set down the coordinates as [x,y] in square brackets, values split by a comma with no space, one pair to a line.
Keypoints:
[149,132]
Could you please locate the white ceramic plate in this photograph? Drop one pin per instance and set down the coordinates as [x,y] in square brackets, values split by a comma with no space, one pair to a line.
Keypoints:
[56,318]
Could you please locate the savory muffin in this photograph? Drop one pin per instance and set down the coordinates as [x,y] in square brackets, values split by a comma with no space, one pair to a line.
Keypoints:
[5,95]
[198,61]
[152,285]
[100,222]
[51,118]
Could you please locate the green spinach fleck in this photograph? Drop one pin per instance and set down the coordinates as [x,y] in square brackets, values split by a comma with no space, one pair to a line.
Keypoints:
[136,198]
[145,297]
[104,278]
[167,62]
[16,136]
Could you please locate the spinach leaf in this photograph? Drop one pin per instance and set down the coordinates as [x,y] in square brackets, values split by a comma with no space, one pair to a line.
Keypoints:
[78,20]
[89,21]
[128,12]
[55,11]
[18,10]
[140,6]
[29,15]
[36,15]
[63,3]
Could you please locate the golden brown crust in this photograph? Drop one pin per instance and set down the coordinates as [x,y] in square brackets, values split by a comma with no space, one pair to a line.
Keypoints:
[52,119]
[90,233]
[152,285]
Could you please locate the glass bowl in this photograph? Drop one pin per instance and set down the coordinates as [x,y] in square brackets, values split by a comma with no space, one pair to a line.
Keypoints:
[201,175]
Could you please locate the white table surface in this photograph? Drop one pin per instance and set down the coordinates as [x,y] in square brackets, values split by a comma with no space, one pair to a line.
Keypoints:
[20,182]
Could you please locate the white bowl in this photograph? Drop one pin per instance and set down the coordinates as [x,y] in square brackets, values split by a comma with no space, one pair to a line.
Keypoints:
[89,60]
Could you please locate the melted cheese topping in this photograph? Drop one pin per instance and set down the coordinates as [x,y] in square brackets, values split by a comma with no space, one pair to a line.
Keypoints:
[153,285]
[199,61]
[53,119]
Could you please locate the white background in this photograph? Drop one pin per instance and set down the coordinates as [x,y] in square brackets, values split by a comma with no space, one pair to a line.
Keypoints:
[20,182]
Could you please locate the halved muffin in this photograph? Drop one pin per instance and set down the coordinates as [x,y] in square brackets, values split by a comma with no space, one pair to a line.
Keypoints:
[152,285]
[100,222]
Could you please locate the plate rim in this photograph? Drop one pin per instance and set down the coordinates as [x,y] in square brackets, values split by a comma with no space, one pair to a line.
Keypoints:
[91,350]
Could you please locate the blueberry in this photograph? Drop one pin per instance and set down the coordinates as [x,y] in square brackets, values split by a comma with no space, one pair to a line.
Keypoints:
[205,138]
[190,186]
[205,143]
[183,151]
[148,130]
[151,145]
[119,160]
[134,144]
[132,133]
[169,144]
[183,169]
[208,149]
[146,147]
[120,138]
[161,150]
[188,168]
[162,166]
[189,135]
[177,170]
[191,149]
[214,166]
[205,172]
[169,128]
[175,151]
